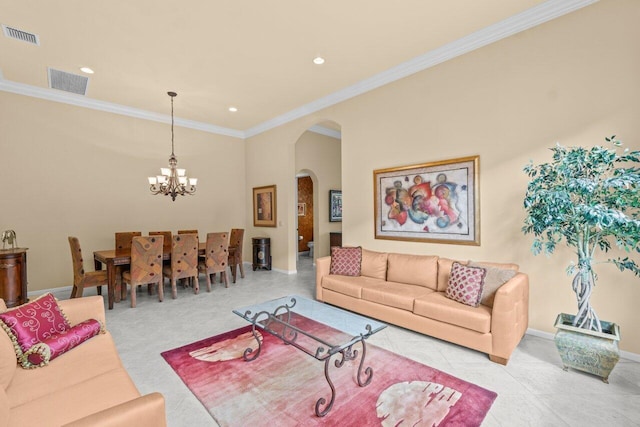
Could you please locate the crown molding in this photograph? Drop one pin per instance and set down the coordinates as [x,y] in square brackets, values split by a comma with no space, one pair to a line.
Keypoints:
[83,101]
[331,133]
[530,18]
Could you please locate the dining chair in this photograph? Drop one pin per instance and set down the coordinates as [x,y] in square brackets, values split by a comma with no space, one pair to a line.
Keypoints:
[235,252]
[215,259]
[146,265]
[188,232]
[184,261]
[123,244]
[84,279]
[167,238]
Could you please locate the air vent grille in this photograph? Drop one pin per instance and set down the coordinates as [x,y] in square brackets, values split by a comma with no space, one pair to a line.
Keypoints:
[24,36]
[68,82]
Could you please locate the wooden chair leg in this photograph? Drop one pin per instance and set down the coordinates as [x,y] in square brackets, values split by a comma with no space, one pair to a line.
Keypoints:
[174,289]
[208,281]
[133,293]
[241,269]
[196,284]
[223,275]
[160,290]
[99,290]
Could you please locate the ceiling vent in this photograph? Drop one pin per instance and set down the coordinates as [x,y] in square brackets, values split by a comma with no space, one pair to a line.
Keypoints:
[68,82]
[17,34]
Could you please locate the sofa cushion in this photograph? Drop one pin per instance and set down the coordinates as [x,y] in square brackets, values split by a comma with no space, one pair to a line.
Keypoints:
[346,285]
[437,306]
[33,322]
[374,264]
[346,261]
[495,278]
[43,352]
[466,284]
[93,358]
[7,356]
[420,270]
[393,294]
[74,401]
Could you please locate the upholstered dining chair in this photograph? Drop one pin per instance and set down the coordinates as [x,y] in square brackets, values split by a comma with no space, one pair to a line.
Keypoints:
[184,261]
[235,252]
[123,244]
[84,279]
[166,235]
[188,232]
[215,259]
[146,265]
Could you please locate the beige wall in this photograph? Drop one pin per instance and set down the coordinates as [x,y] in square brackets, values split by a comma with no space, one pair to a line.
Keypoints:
[573,80]
[319,155]
[72,171]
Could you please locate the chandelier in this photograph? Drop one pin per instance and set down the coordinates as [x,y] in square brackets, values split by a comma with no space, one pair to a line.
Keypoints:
[173,181]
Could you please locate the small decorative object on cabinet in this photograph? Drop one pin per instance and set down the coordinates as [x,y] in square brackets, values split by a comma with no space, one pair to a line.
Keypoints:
[13,276]
[261,253]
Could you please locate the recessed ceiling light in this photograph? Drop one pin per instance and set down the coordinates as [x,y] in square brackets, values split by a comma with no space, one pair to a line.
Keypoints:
[86,70]
[318,60]
[233,109]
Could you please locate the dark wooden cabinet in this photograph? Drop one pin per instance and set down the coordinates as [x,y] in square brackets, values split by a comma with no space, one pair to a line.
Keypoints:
[261,253]
[335,239]
[13,276]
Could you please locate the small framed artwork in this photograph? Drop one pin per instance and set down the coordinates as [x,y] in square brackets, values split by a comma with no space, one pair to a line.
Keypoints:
[430,202]
[302,209]
[335,205]
[264,206]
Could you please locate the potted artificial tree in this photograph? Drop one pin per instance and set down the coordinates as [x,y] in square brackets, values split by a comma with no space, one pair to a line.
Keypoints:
[588,199]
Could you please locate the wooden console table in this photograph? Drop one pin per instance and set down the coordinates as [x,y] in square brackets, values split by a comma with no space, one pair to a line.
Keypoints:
[13,276]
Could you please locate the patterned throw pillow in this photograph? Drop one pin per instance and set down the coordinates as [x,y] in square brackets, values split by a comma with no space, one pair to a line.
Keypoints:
[465,284]
[41,353]
[33,322]
[346,261]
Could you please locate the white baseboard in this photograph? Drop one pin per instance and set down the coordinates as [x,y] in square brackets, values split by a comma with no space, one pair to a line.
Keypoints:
[549,336]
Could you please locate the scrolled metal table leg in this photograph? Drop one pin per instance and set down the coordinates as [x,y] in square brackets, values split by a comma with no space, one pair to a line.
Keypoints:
[248,354]
[368,371]
[322,401]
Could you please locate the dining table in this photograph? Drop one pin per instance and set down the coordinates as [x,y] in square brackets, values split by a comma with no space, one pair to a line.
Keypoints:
[113,258]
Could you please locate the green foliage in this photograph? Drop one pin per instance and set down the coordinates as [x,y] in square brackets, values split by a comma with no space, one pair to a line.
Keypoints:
[588,198]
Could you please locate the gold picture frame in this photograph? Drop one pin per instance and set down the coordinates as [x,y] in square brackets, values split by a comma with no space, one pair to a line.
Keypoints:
[264,206]
[435,202]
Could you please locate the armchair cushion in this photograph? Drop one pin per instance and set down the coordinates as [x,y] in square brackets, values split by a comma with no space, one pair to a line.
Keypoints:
[41,353]
[33,322]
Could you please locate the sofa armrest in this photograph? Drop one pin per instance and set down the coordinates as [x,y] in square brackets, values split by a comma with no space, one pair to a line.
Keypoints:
[323,267]
[145,411]
[510,315]
[80,309]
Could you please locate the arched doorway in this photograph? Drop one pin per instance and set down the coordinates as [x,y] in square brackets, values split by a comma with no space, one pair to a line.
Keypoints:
[318,170]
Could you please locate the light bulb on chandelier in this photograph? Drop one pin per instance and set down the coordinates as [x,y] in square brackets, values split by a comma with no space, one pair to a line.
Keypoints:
[172,181]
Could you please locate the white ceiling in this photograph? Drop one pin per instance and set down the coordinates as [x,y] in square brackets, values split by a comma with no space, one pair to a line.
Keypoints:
[255,55]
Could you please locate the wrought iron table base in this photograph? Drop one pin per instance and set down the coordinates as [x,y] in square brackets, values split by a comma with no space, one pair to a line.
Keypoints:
[289,335]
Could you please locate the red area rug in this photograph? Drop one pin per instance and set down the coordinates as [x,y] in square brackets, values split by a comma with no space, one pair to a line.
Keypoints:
[281,387]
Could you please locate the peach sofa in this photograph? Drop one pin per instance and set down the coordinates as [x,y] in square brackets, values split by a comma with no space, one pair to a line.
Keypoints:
[409,291]
[87,386]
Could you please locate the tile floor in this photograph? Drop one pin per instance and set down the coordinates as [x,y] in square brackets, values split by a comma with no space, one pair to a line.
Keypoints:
[533,390]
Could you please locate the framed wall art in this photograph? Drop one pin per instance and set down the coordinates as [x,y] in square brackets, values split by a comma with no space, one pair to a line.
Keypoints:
[431,202]
[264,206]
[302,209]
[335,205]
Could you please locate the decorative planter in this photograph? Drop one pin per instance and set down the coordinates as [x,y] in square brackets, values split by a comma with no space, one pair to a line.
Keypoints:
[585,350]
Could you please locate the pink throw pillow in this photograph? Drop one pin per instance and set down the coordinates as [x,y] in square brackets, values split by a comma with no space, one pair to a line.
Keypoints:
[465,284]
[33,322]
[346,261]
[42,353]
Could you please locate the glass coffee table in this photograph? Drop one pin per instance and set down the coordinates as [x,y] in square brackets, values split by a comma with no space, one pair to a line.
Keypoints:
[320,330]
